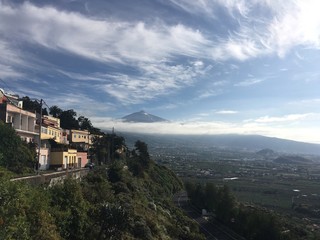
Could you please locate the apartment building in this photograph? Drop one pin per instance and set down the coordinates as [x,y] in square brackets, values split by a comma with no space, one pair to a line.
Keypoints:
[64,158]
[81,138]
[22,121]
[50,128]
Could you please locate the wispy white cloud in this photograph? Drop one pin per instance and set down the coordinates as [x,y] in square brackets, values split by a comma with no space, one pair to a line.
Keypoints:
[33,93]
[297,24]
[226,112]
[286,118]
[138,42]
[198,6]
[8,59]
[99,77]
[306,102]
[8,72]
[214,88]
[156,80]
[209,93]
[210,7]
[149,49]
[236,47]
[248,82]
[293,23]
[279,27]
[101,40]
[82,103]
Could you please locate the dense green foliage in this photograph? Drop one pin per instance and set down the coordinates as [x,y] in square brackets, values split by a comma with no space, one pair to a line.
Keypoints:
[15,154]
[107,148]
[249,221]
[96,208]
[33,105]
[69,120]
[111,202]
[25,212]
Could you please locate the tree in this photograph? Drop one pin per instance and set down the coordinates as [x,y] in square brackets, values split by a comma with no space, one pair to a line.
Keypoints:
[85,123]
[105,147]
[112,220]
[225,209]
[55,111]
[24,212]
[68,119]
[143,154]
[70,209]
[96,188]
[211,193]
[140,159]
[17,156]
[33,105]
[100,149]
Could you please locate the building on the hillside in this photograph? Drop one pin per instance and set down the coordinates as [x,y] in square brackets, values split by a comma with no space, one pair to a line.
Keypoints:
[13,99]
[22,121]
[44,160]
[64,158]
[64,136]
[80,138]
[50,128]
[82,159]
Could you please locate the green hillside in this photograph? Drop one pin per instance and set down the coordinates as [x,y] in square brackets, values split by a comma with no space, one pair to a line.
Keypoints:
[129,198]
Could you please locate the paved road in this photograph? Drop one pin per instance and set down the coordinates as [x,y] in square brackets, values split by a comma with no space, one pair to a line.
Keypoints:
[212,230]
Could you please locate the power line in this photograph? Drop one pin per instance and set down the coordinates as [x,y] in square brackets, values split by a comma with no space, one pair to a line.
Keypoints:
[7,86]
[45,104]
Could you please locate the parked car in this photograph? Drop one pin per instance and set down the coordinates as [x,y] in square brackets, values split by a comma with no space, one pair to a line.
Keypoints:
[89,165]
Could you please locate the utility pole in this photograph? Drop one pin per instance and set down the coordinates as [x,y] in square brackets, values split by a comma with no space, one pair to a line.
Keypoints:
[39,145]
[112,146]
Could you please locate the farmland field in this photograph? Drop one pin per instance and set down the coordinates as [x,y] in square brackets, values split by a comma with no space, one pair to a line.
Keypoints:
[292,190]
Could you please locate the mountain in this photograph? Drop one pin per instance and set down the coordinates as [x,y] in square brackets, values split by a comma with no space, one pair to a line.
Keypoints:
[143,117]
[266,152]
[253,143]
[291,160]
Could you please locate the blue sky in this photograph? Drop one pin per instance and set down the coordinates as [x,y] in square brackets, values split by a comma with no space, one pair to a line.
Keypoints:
[210,67]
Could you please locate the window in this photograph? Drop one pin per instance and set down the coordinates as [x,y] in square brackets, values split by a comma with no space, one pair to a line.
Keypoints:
[75,135]
[44,130]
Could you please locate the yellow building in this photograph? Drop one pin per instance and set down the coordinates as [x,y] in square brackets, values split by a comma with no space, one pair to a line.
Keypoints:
[64,158]
[80,136]
[51,128]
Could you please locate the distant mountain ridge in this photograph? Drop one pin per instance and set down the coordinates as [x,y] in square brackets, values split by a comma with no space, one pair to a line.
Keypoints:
[291,160]
[143,117]
[252,143]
